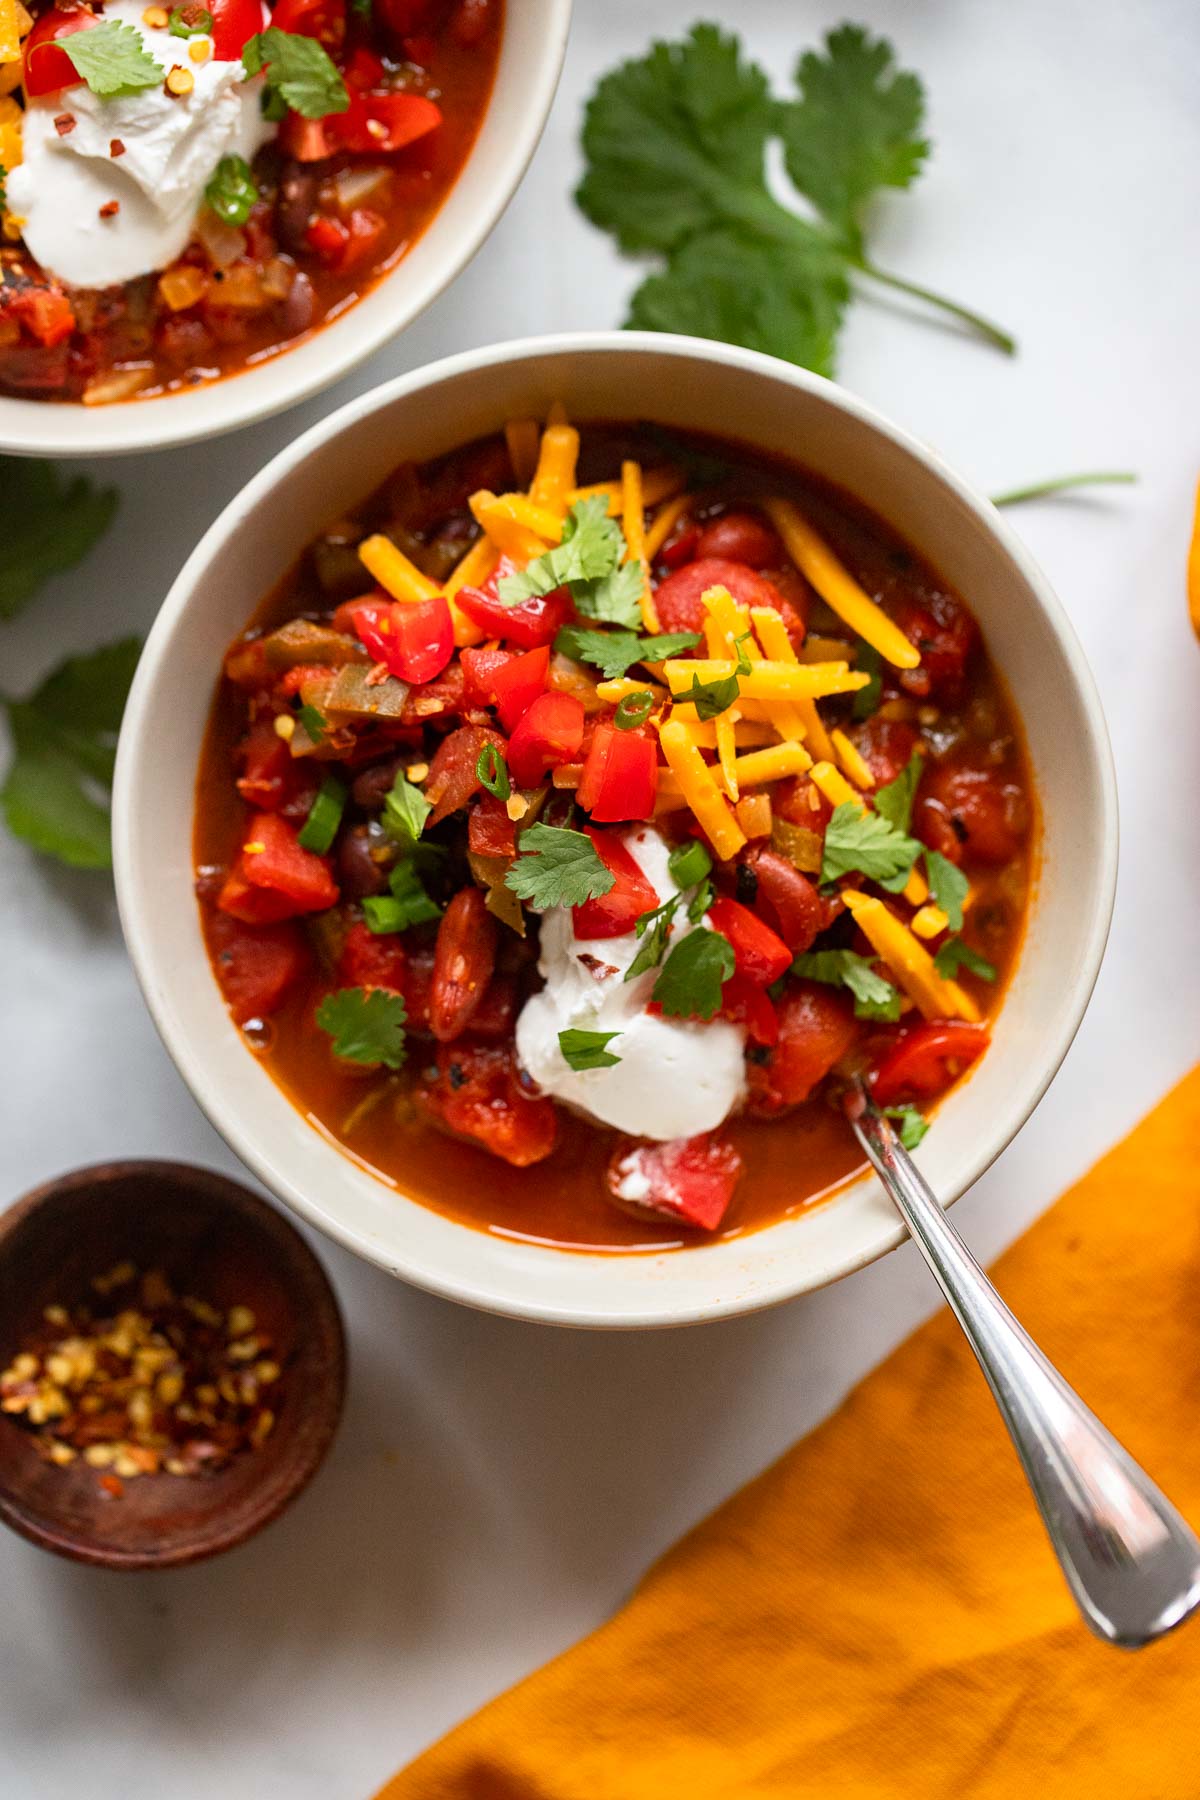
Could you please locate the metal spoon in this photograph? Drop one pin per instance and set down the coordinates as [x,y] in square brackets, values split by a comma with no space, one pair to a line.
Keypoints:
[1131,1561]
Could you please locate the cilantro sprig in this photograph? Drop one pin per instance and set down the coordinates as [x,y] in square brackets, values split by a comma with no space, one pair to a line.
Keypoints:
[587,1049]
[690,981]
[874,997]
[366,1025]
[589,562]
[955,955]
[557,867]
[298,72]
[865,843]
[676,145]
[64,736]
[112,59]
[48,523]
[612,652]
[912,1122]
[405,810]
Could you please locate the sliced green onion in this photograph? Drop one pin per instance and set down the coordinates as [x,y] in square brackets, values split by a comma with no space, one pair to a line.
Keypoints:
[313,723]
[190,21]
[232,191]
[384,914]
[492,771]
[634,710]
[408,888]
[324,816]
[688,864]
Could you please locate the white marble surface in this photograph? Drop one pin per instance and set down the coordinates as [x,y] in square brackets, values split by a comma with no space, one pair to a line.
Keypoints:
[497,1488]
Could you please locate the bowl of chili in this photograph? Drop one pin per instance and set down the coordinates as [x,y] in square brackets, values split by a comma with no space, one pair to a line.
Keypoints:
[857,813]
[237,202]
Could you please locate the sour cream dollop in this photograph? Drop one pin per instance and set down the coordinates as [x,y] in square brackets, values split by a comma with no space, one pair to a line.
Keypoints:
[675,1077]
[171,147]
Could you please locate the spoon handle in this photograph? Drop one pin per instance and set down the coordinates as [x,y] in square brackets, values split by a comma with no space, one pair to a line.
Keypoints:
[1131,1561]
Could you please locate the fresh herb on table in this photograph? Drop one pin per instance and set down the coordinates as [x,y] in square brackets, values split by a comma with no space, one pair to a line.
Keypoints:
[613,652]
[690,981]
[1064,484]
[588,1049]
[955,955]
[557,867]
[676,146]
[367,1026]
[112,59]
[298,73]
[55,795]
[48,523]
[874,998]
[912,1122]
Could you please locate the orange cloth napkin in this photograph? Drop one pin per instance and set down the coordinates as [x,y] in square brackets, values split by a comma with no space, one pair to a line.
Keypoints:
[879,1615]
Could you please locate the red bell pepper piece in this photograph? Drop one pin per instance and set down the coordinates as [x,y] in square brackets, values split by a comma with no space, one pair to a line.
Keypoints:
[273,858]
[322,19]
[257,968]
[326,238]
[383,123]
[689,1179]
[479,668]
[744,1003]
[414,639]
[45,312]
[548,734]
[528,623]
[47,69]
[516,685]
[453,773]
[927,1058]
[490,831]
[631,895]
[477,1093]
[816,1028]
[620,776]
[759,954]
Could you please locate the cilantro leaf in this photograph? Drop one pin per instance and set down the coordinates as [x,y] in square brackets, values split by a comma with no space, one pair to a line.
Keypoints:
[298,71]
[557,867]
[894,801]
[366,1025]
[405,810]
[709,697]
[112,59]
[654,928]
[690,981]
[912,1122]
[591,547]
[614,599]
[47,523]
[55,796]
[874,997]
[866,843]
[955,955]
[947,886]
[676,143]
[854,129]
[588,1049]
[866,700]
[736,288]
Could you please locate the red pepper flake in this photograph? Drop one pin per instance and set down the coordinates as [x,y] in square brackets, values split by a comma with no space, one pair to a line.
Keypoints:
[116,148]
[64,124]
[110,209]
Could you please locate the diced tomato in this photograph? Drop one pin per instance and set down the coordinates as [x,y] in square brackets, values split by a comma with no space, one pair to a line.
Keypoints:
[235,22]
[886,746]
[365,229]
[945,634]
[745,1003]
[677,600]
[373,960]
[528,623]
[327,238]
[493,1019]
[548,734]
[398,120]
[308,140]
[741,537]
[431,699]
[44,311]
[256,966]
[801,802]
[364,69]
[490,831]
[265,763]
[273,858]
[345,615]
[517,684]
[452,778]
[413,638]
[477,1093]
[680,546]
[758,952]
[816,1028]
[965,810]
[321,19]
[479,668]
[631,895]
[787,899]
[464,958]
[620,776]
[689,1179]
[926,1059]
[253,905]
[47,69]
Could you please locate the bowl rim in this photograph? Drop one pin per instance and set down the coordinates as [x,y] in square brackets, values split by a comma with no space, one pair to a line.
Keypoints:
[70,429]
[136,917]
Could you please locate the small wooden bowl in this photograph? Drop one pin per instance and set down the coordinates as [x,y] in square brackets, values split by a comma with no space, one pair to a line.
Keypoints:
[222,1243]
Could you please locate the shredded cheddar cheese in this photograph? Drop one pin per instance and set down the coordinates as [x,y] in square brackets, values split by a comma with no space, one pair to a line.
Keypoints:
[772,764]
[393,571]
[665,520]
[851,759]
[523,438]
[929,921]
[768,680]
[554,476]
[727,751]
[633,518]
[838,588]
[701,791]
[908,960]
[622,686]
[657,485]
[916,889]
[772,635]
[833,784]
[10,32]
[510,536]
[472,570]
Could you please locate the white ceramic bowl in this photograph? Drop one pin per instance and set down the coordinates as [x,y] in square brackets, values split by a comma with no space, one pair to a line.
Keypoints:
[531,53]
[680,382]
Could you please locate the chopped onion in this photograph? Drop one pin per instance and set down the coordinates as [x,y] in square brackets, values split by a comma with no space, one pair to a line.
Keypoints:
[277,278]
[242,289]
[120,384]
[354,187]
[224,243]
